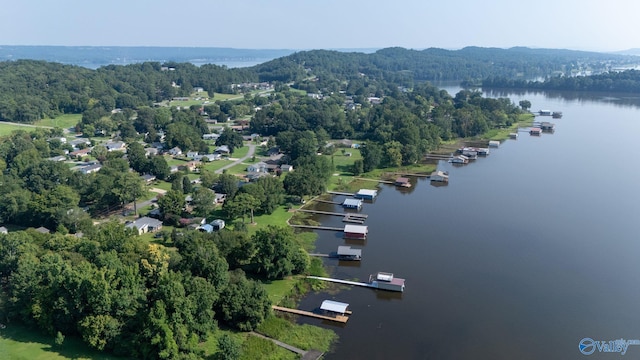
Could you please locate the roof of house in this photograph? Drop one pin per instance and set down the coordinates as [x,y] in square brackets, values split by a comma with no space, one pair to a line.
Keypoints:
[144,221]
[334,306]
[3,230]
[402,180]
[43,230]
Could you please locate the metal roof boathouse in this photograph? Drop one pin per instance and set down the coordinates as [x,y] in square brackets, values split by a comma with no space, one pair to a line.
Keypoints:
[347,253]
[366,194]
[355,231]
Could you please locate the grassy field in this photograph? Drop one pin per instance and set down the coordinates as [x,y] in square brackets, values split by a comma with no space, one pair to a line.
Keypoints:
[20,343]
[63,121]
[6,129]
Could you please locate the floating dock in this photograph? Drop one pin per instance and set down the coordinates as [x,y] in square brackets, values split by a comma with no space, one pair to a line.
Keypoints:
[338,318]
[381,280]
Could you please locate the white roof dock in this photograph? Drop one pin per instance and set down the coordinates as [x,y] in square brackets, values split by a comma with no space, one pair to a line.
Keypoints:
[356,229]
[367,193]
[334,306]
[348,251]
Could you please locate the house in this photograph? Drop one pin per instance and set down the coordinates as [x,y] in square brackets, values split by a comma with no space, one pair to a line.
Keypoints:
[217,224]
[257,167]
[223,149]
[80,153]
[176,151]
[286,168]
[198,89]
[347,253]
[210,136]
[253,176]
[76,143]
[43,230]
[3,230]
[151,151]
[57,158]
[402,182]
[115,146]
[273,151]
[191,166]
[355,231]
[174,169]
[366,194]
[439,176]
[208,228]
[145,224]
[148,178]
[210,157]
[220,198]
[192,154]
[352,204]
[90,169]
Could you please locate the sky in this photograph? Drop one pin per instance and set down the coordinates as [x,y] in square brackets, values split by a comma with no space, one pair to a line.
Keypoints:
[593,25]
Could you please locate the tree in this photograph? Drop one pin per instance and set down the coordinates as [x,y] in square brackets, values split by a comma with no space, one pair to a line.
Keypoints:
[244,303]
[187,187]
[358,167]
[204,201]
[171,204]
[228,184]
[230,138]
[276,250]
[240,204]
[228,348]
[128,187]
[159,167]
[137,157]
[525,104]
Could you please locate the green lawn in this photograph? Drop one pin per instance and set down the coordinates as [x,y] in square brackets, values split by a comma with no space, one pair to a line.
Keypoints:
[6,129]
[63,121]
[240,152]
[215,165]
[20,343]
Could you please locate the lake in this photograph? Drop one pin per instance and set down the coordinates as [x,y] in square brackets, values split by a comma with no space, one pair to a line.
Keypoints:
[525,252]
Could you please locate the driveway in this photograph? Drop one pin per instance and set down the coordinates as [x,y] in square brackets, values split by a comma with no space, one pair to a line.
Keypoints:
[252,150]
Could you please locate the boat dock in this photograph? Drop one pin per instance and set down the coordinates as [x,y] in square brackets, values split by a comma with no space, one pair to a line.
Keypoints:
[345,282]
[330,228]
[338,318]
[339,193]
[346,217]
[328,201]
[378,181]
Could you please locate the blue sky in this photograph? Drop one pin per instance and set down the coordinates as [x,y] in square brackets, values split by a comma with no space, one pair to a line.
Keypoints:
[301,24]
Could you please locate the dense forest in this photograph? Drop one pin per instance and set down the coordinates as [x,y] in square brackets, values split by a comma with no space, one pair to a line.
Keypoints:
[615,81]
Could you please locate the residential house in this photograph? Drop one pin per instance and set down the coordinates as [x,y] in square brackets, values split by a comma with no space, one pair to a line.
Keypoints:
[80,142]
[192,154]
[57,158]
[115,146]
[257,167]
[151,151]
[210,136]
[192,165]
[174,169]
[90,169]
[148,178]
[218,224]
[220,198]
[43,230]
[3,230]
[176,151]
[286,168]
[80,153]
[223,150]
[145,224]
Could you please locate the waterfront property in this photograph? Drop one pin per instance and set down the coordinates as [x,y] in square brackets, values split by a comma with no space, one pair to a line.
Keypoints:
[439,176]
[366,194]
[355,231]
[494,143]
[544,112]
[347,253]
[535,131]
[352,204]
[402,182]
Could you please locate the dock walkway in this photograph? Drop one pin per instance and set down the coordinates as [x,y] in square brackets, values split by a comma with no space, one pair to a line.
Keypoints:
[338,318]
[317,227]
[345,282]
[339,193]
[305,355]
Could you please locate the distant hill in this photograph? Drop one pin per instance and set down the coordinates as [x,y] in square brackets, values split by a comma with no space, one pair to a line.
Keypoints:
[634,51]
[94,57]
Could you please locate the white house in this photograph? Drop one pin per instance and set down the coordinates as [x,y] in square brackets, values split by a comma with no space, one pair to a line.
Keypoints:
[176,151]
[260,167]
[192,154]
[145,224]
[212,136]
[115,146]
[90,169]
[286,168]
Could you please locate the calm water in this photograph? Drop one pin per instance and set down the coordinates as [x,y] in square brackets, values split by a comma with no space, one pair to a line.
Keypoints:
[523,254]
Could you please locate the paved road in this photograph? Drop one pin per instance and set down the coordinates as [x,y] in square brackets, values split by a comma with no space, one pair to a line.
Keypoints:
[252,150]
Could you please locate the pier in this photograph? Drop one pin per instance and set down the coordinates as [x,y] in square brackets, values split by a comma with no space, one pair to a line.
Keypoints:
[328,201]
[338,318]
[339,193]
[378,181]
[345,282]
[330,228]
[346,217]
